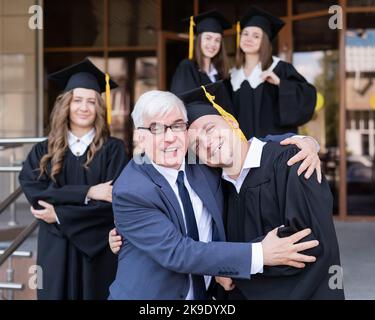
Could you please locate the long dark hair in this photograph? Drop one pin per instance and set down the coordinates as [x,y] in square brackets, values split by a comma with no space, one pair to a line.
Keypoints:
[220,61]
[265,53]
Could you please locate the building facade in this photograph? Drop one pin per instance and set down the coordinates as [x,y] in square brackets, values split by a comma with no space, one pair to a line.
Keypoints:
[140,43]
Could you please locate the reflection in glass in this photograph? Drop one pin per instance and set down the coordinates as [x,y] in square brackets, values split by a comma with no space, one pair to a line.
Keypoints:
[360,105]
[233,10]
[361,3]
[70,23]
[303,6]
[321,69]
[132,22]
[316,58]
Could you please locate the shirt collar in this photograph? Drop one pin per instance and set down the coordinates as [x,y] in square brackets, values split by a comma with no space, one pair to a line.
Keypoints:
[212,71]
[254,79]
[253,157]
[169,173]
[86,139]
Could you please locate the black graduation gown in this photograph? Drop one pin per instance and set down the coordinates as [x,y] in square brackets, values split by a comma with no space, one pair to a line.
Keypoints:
[273,195]
[188,77]
[269,109]
[74,255]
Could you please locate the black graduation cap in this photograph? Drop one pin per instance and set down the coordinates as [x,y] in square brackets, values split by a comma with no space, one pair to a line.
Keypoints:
[85,75]
[196,102]
[82,75]
[257,17]
[206,100]
[210,21]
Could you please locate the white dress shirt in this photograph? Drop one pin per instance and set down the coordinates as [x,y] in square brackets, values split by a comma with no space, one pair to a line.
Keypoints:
[78,146]
[212,73]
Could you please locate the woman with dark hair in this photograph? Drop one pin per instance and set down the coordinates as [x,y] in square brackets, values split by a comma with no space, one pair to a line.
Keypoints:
[208,60]
[269,95]
[68,181]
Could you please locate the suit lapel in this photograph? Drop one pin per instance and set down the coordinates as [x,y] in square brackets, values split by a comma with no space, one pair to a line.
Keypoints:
[158,179]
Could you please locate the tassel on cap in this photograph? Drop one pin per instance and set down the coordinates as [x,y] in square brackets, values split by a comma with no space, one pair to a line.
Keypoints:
[191,37]
[238,32]
[226,115]
[108,99]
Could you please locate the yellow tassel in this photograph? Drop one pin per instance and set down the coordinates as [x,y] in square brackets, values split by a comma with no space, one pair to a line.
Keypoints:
[226,115]
[191,37]
[238,32]
[108,99]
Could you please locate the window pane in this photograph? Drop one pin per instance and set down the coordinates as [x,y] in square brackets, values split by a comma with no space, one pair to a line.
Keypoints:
[314,34]
[360,101]
[303,6]
[233,10]
[132,22]
[361,3]
[316,57]
[173,12]
[176,51]
[70,23]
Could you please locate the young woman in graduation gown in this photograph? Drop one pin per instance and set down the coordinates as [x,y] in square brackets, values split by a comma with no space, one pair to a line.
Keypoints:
[269,95]
[68,181]
[208,60]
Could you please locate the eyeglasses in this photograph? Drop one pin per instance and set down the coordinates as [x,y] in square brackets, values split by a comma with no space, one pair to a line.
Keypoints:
[158,128]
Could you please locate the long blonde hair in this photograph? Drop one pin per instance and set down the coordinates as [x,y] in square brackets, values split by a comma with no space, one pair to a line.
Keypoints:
[58,134]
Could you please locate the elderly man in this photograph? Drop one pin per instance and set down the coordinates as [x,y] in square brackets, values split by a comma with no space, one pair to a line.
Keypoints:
[169,213]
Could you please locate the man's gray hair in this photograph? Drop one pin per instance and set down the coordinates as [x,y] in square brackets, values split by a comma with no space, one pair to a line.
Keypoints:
[156,103]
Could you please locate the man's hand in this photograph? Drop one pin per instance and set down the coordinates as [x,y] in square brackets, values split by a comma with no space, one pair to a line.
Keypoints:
[48,214]
[309,155]
[226,283]
[114,240]
[101,191]
[284,251]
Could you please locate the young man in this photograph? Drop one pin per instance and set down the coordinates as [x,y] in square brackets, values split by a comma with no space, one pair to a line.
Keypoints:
[263,192]
[170,215]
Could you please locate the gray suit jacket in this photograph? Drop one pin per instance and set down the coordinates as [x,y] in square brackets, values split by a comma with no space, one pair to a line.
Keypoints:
[157,256]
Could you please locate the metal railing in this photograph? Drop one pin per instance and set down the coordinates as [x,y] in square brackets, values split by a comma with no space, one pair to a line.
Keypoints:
[11,143]
[11,199]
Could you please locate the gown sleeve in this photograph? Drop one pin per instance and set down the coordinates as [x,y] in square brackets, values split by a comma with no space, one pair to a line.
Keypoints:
[297,98]
[304,203]
[43,188]
[185,77]
[277,138]
[87,226]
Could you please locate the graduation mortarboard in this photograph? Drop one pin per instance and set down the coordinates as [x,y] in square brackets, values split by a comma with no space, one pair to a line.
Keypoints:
[210,21]
[85,75]
[256,17]
[205,100]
